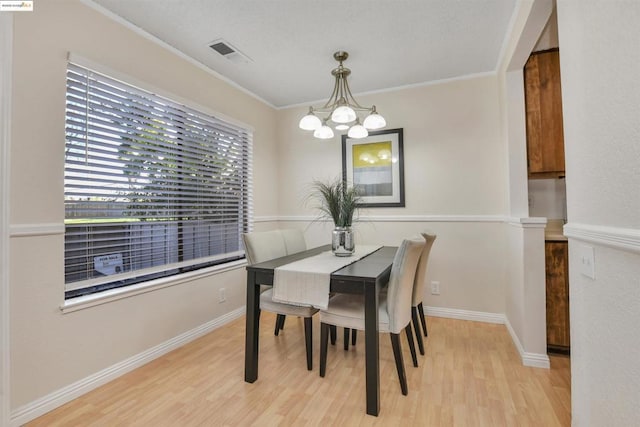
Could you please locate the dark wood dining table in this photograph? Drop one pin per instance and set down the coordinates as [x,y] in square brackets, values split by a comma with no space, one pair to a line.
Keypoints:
[365,276]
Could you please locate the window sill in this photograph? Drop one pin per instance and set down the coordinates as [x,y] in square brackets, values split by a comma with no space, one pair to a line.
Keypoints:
[80,303]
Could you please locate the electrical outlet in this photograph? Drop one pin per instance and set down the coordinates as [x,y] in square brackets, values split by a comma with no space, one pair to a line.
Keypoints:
[222,295]
[435,288]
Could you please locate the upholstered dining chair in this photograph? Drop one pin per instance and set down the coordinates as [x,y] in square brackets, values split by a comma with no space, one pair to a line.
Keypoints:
[294,242]
[417,309]
[394,313]
[266,245]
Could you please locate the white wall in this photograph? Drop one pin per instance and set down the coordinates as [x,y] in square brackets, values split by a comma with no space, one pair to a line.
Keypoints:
[600,63]
[454,182]
[51,350]
[525,290]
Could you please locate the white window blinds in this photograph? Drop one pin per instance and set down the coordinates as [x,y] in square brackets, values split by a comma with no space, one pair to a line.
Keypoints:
[152,187]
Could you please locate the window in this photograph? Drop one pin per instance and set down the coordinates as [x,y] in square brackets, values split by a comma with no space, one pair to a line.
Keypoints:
[152,187]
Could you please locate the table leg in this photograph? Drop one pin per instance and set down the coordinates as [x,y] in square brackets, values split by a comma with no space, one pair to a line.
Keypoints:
[371,294]
[252,329]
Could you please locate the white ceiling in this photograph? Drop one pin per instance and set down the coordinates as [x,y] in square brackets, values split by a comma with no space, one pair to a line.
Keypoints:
[391,43]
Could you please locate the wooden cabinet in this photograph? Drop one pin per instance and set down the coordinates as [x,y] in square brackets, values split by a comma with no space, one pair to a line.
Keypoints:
[557,272]
[543,99]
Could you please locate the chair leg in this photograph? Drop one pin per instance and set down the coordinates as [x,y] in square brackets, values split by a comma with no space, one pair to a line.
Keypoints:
[282,319]
[346,339]
[277,328]
[412,346]
[424,320]
[397,354]
[324,342]
[416,327]
[308,338]
[334,333]
[354,335]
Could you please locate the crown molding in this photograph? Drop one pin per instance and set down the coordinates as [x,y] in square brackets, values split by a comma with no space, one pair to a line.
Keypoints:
[120,20]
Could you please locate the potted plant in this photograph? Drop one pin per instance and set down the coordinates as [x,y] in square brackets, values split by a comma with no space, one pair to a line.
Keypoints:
[339,202]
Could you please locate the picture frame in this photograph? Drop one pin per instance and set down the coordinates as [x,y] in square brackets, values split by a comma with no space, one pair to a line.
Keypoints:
[375,165]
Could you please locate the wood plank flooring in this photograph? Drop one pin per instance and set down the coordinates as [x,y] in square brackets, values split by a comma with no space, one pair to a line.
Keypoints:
[471,375]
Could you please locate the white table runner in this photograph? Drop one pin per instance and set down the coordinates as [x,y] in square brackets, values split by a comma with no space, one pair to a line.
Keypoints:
[307,282]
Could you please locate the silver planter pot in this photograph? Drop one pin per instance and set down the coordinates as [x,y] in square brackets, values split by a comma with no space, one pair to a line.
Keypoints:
[342,243]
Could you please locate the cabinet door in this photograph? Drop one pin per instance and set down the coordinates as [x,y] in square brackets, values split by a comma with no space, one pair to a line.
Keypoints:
[543,97]
[557,271]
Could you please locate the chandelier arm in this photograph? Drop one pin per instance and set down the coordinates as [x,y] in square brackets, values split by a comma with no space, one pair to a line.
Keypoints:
[333,99]
[342,84]
[355,103]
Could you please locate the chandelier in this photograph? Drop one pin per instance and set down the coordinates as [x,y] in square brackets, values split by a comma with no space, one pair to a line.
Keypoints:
[341,110]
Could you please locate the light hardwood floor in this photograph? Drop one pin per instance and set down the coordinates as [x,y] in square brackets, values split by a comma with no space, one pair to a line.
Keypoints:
[471,375]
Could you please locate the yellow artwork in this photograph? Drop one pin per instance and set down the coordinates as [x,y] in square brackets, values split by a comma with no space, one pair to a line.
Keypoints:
[374,166]
[375,154]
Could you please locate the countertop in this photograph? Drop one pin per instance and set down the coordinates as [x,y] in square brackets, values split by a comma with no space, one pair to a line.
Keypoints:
[553,230]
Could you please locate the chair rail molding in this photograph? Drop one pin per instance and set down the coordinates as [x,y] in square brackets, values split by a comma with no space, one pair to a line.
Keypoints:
[32,230]
[627,239]
[401,218]
[531,222]
[265,218]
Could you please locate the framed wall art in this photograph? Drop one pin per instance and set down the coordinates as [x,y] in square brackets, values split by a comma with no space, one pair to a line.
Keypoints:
[375,166]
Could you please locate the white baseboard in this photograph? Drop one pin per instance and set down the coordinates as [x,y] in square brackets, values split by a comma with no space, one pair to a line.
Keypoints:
[535,360]
[476,316]
[59,397]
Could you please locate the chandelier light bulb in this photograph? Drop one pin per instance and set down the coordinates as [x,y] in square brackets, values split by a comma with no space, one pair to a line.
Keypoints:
[374,120]
[343,114]
[310,121]
[342,126]
[357,131]
[323,132]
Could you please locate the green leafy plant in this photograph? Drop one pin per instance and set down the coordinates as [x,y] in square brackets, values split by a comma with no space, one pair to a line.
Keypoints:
[336,200]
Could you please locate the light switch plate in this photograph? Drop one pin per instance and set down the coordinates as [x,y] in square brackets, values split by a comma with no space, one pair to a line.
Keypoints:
[587,260]
[435,288]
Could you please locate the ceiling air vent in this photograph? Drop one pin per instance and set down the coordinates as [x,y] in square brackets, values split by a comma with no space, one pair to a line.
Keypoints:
[225,49]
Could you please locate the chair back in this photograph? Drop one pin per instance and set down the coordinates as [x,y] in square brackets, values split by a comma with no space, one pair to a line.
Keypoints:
[263,245]
[421,273]
[266,245]
[401,280]
[293,240]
